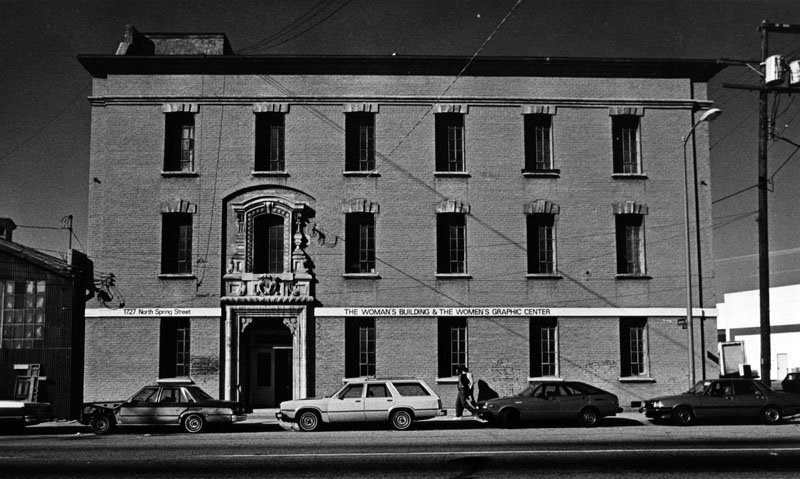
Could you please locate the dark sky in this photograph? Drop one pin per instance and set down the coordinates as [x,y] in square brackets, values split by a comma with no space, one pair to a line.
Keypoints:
[44,113]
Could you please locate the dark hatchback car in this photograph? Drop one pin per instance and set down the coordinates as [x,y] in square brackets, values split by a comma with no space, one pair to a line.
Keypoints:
[552,400]
[175,402]
[723,398]
[791,383]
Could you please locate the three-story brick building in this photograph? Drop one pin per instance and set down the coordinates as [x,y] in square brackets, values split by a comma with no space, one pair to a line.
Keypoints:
[279,223]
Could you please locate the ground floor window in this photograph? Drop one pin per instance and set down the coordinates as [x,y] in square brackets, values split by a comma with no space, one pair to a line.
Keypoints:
[174,348]
[452,345]
[633,347]
[359,347]
[22,314]
[544,347]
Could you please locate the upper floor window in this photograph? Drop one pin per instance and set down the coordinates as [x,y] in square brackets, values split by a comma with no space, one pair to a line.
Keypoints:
[179,142]
[176,243]
[541,243]
[452,346]
[360,347]
[268,243]
[633,347]
[630,244]
[22,314]
[450,142]
[538,142]
[270,138]
[451,243]
[359,243]
[360,141]
[625,133]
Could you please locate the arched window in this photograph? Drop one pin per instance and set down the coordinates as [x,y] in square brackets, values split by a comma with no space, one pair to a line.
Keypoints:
[268,244]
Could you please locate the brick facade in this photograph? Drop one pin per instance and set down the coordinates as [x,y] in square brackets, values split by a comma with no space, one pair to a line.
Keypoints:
[127,158]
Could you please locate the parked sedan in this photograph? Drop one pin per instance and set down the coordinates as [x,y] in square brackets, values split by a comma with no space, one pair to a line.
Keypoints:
[399,402]
[15,414]
[552,400]
[176,402]
[791,383]
[724,398]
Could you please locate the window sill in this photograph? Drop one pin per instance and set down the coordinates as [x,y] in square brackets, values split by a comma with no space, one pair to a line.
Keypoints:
[451,174]
[178,174]
[543,276]
[637,379]
[629,176]
[360,173]
[632,276]
[453,276]
[269,173]
[176,276]
[555,173]
[446,380]
[361,276]
[545,378]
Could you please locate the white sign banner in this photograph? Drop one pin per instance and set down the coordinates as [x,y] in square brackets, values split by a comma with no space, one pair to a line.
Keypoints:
[154,312]
[409,311]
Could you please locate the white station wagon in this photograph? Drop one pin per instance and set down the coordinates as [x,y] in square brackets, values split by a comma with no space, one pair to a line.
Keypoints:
[400,401]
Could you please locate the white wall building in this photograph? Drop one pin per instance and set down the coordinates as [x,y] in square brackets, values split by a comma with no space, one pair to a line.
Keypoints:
[739,320]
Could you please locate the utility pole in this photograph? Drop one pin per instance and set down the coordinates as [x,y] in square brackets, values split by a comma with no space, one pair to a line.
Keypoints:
[774,68]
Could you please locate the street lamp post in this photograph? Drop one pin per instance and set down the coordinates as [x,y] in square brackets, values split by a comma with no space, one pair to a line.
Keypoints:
[709,115]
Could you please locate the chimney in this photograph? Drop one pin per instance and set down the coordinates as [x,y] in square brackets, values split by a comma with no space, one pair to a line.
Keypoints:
[7,227]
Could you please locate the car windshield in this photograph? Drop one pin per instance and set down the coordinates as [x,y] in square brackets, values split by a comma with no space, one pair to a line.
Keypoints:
[528,391]
[699,388]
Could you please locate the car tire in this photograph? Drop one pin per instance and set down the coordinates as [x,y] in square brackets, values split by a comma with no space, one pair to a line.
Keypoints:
[771,415]
[194,423]
[683,416]
[308,421]
[100,424]
[589,417]
[510,418]
[401,420]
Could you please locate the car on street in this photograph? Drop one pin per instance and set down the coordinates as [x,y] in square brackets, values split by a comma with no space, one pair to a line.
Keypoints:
[174,402]
[397,401]
[551,400]
[723,398]
[16,414]
[791,383]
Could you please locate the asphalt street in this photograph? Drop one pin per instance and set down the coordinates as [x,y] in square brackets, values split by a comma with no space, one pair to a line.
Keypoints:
[623,446]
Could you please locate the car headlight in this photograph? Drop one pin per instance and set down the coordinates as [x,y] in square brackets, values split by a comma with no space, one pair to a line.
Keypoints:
[658,404]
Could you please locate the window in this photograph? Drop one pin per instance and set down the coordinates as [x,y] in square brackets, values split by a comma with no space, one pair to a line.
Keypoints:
[449,142]
[451,243]
[360,141]
[625,132]
[22,314]
[541,243]
[452,345]
[149,394]
[378,391]
[411,389]
[179,142]
[176,243]
[359,347]
[633,347]
[268,244]
[270,138]
[538,142]
[630,244]
[174,349]
[359,243]
[352,391]
[544,347]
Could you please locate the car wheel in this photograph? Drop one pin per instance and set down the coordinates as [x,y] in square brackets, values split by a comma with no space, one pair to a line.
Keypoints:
[401,420]
[589,417]
[510,418]
[193,423]
[308,421]
[100,424]
[683,416]
[771,415]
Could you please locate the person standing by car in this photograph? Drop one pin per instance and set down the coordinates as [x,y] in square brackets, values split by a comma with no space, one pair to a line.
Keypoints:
[464,399]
